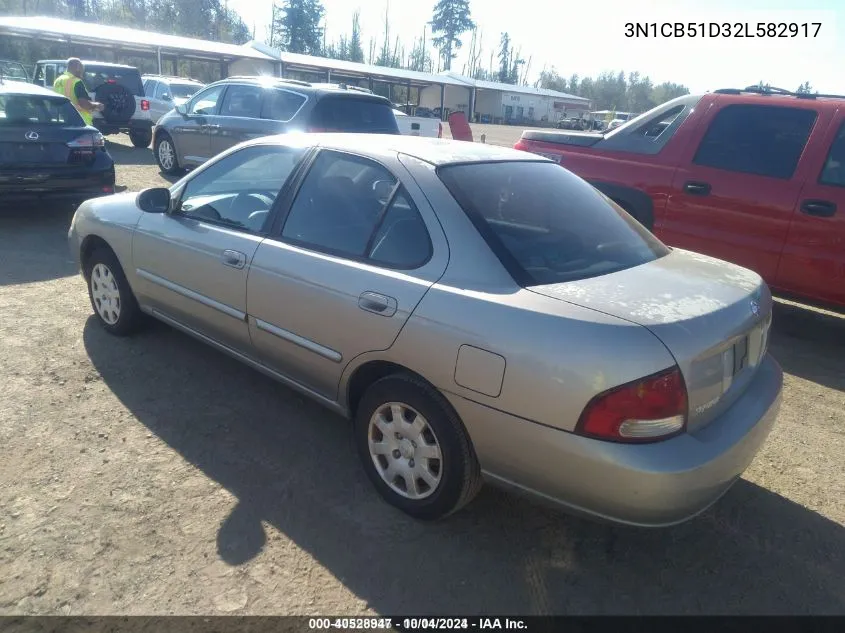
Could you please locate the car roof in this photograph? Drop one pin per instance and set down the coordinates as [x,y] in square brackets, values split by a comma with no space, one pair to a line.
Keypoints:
[11,87]
[303,86]
[435,151]
[186,80]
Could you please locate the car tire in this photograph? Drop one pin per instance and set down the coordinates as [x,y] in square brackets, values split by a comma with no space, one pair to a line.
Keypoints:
[165,152]
[427,468]
[141,138]
[112,299]
[119,103]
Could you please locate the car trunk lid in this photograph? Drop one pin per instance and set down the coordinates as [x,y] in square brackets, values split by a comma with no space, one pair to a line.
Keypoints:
[712,316]
[30,146]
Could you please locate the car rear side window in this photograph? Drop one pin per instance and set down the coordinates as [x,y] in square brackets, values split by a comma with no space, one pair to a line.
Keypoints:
[355,208]
[281,105]
[547,225]
[833,172]
[242,101]
[342,113]
[764,140]
[32,109]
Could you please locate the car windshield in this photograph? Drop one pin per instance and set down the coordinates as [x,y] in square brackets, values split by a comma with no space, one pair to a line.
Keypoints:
[183,91]
[547,225]
[29,109]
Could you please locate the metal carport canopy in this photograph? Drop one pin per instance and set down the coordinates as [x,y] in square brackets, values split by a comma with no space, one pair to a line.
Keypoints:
[125,39]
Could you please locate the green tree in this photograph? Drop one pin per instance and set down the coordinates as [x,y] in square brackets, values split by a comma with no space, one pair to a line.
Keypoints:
[356,50]
[805,88]
[296,26]
[667,91]
[451,19]
[504,58]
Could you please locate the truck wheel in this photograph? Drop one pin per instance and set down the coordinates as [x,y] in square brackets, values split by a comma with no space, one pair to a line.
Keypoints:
[141,138]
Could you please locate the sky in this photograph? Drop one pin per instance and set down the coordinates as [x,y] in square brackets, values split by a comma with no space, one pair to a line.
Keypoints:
[588,38]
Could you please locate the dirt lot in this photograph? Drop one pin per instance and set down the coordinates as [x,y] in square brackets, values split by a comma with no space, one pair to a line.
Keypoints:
[153,475]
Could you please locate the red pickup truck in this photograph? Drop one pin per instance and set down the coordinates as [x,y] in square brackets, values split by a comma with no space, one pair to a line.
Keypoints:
[756,177]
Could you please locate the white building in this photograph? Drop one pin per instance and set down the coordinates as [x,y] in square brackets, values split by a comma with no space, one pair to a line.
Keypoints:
[156,52]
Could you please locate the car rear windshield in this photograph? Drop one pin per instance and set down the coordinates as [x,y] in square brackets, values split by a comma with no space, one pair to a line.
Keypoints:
[547,225]
[129,78]
[30,109]
[349,114]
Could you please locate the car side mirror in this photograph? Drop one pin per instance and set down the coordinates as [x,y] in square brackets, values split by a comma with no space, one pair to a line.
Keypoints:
[182,109]
[166,97]
[154,200]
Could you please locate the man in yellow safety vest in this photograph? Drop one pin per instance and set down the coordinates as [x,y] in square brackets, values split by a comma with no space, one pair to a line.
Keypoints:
[70,84]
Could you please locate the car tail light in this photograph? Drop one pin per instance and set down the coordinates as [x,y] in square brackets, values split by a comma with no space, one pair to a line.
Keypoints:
[89,141]
[647,410]
[520,144]
[439,130]
[111,81]
[145,105]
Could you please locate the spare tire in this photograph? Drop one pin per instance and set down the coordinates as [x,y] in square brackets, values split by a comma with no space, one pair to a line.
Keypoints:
[119,103]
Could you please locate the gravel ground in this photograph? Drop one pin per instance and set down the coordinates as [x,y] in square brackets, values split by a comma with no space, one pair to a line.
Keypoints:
[153,475]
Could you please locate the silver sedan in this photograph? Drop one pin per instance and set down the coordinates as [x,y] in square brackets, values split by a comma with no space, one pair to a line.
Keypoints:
[479,313]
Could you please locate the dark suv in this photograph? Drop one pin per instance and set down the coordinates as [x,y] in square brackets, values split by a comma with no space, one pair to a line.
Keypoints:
[116,86]
[237,109]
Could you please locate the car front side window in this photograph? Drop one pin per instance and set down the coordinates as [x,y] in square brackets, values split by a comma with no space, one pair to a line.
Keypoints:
[206,101]
[239,190]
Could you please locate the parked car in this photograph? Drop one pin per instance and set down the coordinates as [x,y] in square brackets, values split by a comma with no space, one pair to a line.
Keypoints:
[418,126]
[46,150]
[13,71]
[475,310]
[756,179]
[165,93]
[118,87]
[237,109]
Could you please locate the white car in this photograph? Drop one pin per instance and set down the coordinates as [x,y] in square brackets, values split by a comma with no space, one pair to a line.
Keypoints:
[165,93]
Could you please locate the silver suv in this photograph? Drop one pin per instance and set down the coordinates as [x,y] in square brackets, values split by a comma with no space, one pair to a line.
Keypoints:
[116,86]
[165,93]
[238,109]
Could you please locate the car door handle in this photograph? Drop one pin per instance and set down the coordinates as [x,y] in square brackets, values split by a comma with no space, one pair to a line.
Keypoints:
[697,188]
[378,303]
[820,208]
[235,259]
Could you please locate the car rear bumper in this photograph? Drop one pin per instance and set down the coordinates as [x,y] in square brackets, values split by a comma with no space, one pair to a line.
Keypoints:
[65,184]
[647,485]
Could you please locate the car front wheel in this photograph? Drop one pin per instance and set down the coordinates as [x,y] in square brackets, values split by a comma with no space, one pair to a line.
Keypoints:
[165,152]
[415,449]
[111,297]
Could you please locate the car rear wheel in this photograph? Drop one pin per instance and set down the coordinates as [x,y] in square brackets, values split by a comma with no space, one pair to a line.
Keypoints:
[165,152]
[415,449]
[141,138]
[111,297]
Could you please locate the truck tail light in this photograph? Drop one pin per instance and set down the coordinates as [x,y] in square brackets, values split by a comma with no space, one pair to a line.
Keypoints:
[145,105]
[647,410]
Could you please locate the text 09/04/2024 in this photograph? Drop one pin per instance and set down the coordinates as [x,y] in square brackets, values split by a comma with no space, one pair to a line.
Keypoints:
[722,29]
